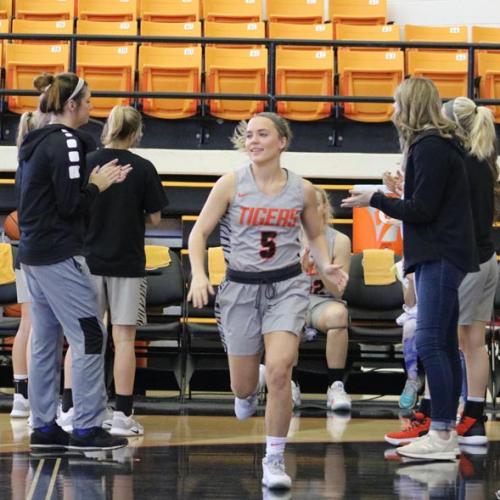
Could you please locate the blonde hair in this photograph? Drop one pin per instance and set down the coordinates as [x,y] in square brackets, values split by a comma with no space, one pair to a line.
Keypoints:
[30,120]
[280,124]
[417,109]
[124,122]
[56,91]
[477,126]
[325,200]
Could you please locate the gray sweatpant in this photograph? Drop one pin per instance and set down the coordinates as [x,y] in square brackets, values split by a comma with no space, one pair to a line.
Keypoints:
[64,303]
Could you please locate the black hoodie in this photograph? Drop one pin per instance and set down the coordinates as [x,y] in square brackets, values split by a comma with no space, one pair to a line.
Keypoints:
[52,194]
[436,209]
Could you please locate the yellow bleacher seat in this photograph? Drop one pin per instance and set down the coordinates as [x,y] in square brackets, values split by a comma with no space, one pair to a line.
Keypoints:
[361,32]
[242,11]
[170,11]
[447,69]
[108,10]
[295,11]
[235,71]
[27,26]
[299,32]
[169,69]
[369,73]
[154,28]
[414,33]
[304,72]
[483,34]
[5,9]
[488,64]
[24,62]
[235,30]
[216,265]
[4,28]
[106,68]
[45,10]
[358,11]
[127,28]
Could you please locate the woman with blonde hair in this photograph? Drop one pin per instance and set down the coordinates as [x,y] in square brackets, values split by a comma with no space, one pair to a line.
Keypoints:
[439,247]
[262,302]
[477,291]
[115,252]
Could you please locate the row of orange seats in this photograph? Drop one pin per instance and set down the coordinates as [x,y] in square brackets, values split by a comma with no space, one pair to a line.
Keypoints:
[299,71]
[299,11]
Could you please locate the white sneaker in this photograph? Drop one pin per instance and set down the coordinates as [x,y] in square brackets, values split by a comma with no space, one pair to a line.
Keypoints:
[273,472]
[245,408]
[125,426]
[432,447]
[296,399]
[20,407]
[336,424]
[108,419]
[336,397]
[65,420]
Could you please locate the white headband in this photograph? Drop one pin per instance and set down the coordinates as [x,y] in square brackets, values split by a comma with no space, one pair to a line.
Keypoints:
[79,86]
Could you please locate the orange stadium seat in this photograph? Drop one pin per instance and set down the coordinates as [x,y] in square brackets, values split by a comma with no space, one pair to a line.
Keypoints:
[358,11]
[483,34]
[448,70]
[235,71]
[361,32]
[170,11]
[369,73]
[106,68]
[295,11]
[235,30]
[27,26]
[304,72]
[127,28]
[5,9]
[488,64]
[169,69]
[242,11]
[24,62]
[154,28]
[45,10]
[108,10]
[414,33]
[300,31]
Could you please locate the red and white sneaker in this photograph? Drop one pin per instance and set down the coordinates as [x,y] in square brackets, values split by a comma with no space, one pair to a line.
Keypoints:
[471,431]
[417,427]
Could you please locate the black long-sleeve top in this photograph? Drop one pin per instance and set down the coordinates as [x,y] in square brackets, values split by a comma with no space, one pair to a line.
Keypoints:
[52,194]
[436,209]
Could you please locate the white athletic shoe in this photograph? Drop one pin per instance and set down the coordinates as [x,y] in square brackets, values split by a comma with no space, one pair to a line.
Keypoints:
[245,408]
[273,472]
[432,447]
[108,419]
[336,397]
[125,426]
[296,399]
[20,407]
[65,419]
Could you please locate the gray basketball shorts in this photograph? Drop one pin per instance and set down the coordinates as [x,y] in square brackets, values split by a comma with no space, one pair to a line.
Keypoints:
[23,294]
[476,293]
[125,298]
[316,305]
[245,314]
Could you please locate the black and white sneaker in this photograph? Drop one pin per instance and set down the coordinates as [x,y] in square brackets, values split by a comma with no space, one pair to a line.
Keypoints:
[95,438]
[49,437]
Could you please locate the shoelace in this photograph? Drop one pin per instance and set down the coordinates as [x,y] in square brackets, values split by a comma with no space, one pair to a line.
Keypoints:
[415,422]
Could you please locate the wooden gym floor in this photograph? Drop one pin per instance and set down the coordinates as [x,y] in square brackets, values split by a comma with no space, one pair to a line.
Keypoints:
[206,456]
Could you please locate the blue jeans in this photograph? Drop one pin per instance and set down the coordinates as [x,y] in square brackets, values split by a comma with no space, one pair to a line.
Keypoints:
[437,285]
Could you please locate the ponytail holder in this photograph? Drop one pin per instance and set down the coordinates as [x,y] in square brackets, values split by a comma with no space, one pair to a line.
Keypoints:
[475,110]
[46,88]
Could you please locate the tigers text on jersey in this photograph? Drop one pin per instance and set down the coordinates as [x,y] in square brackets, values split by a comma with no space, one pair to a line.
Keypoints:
[260,232]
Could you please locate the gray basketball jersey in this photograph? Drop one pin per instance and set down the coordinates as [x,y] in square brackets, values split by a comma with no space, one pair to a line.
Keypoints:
[317,286]
[260,232]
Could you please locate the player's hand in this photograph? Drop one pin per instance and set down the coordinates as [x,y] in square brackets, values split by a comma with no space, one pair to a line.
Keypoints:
[110,173]
[307,262]
[357,199]
[336,275]
[199,291]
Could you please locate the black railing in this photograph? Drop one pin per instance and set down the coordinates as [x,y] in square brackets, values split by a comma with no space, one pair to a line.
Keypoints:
[271,97]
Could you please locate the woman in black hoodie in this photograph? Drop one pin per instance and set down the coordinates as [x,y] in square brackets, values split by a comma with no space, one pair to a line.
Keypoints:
[439,247]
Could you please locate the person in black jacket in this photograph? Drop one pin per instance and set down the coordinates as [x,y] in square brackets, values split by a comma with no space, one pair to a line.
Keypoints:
[477,291]
[439,247]
[53,198]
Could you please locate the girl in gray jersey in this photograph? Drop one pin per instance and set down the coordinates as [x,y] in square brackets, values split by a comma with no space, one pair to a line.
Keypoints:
[327,311]
[263,300]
